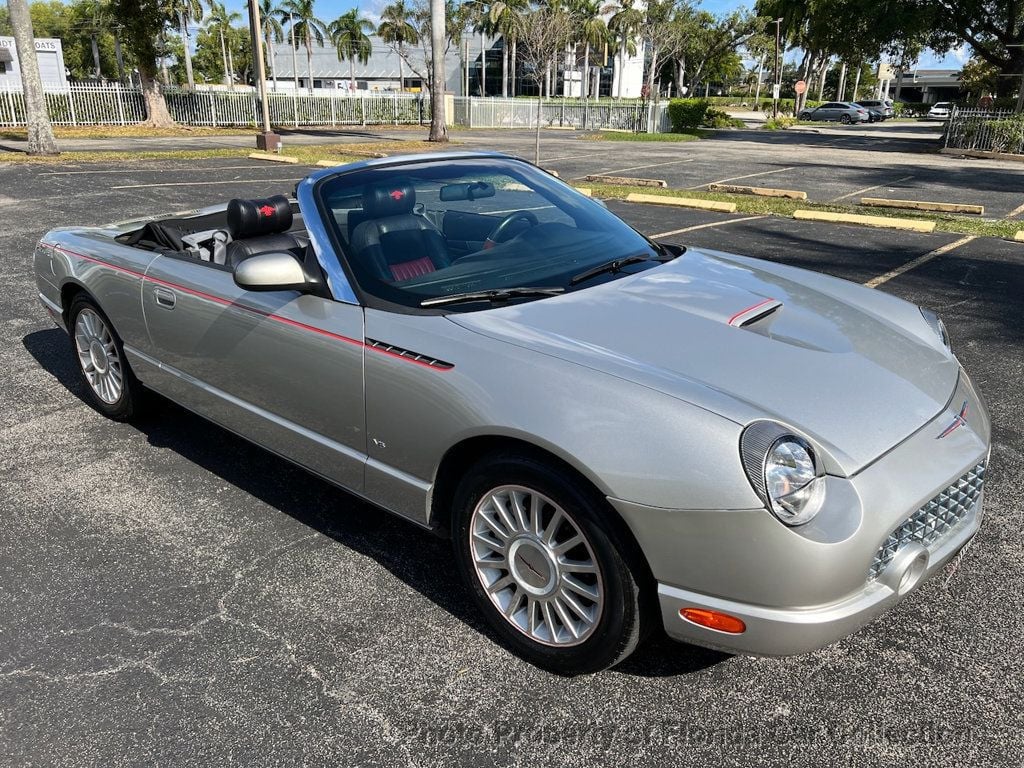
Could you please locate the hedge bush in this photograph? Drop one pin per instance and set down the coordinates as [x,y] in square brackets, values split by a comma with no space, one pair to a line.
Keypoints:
[717,118]
[1008,134]
[687,113]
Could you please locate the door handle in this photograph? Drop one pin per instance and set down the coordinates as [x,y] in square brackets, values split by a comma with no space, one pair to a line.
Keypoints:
[164,297]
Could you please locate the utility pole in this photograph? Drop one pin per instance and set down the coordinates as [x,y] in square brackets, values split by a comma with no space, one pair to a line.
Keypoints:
[267,140]
[777,86]
[295,61]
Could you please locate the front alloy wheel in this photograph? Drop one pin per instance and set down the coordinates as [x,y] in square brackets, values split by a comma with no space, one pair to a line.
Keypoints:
[537,567]
[111,386]
[556,578]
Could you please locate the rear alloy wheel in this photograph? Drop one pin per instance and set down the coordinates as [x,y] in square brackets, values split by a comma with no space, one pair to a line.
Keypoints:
[844,119]
[543,570]
[110,384]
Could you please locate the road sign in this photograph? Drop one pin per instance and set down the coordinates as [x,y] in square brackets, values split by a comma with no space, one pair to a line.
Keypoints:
[800,86]
[775,91]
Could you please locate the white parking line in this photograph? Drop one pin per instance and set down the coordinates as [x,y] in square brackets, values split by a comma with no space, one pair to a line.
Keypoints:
[190,169]
[913,263]
[200,183]
[650,165]
[705,226]
[868,189]
[746,176]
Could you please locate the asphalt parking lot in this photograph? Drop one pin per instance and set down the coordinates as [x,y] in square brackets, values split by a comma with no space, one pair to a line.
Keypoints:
[171,594]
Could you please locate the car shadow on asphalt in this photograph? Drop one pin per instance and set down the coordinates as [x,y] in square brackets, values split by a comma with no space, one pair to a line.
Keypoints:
[421,559]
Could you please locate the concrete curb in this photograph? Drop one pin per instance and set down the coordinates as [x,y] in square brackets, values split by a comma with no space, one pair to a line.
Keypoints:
[981,155]
[682,202]
[329,163]
[627,181]
[273,158]
[1019,237]
[791,194]
[883,222]
[920,205]
[588,192]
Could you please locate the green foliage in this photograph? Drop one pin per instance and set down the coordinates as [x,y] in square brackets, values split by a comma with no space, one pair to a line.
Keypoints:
[687,113]
[717,118]
[1007,134]
[780,123]
[910,109]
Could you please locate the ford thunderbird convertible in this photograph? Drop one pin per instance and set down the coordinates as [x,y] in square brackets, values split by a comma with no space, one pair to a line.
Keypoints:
[616,434]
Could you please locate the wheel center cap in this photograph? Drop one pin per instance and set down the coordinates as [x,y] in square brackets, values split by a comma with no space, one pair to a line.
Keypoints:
[98,355]
[532,566]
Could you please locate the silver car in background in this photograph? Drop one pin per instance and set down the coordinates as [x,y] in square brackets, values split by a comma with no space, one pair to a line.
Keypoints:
[837,111]
[616,434]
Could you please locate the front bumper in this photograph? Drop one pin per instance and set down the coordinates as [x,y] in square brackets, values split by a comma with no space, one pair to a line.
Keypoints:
[798,589]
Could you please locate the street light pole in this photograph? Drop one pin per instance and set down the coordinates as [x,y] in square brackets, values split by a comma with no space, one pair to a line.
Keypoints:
[267,140]
[777,86]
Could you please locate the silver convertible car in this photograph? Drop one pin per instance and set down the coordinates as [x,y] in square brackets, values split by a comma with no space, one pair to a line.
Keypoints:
[616,434]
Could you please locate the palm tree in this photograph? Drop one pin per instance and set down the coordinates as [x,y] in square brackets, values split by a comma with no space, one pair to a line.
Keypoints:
[351,37]
[222,20]
[503,15]
[396,29]
[623,24]
[185,11]
[479,17]
[592,31]
[273,32]
[306,25]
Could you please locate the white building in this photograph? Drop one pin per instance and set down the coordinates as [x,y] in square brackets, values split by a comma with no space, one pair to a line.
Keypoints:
[50,55]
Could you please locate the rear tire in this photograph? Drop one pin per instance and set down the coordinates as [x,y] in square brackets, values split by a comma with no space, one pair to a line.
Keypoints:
[534,545]
[844,119]
[110,385]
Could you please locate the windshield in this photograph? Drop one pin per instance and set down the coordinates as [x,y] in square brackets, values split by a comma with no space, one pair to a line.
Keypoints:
[441,228]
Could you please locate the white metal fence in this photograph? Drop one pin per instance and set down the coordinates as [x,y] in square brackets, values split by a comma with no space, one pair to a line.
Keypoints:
[115,104]
[985,130]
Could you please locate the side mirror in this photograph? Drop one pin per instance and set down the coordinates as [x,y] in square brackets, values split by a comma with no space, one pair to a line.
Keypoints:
[278,271]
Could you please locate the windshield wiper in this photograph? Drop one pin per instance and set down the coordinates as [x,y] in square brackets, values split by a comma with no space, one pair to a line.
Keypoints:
[615,265]
[495,294]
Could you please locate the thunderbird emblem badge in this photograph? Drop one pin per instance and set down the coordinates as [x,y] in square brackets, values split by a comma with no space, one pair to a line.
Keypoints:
[958,421]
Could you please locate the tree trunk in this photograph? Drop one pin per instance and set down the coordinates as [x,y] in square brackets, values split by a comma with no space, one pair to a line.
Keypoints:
[483,66]
[224,56]
[96,57]
[760,74]
[841,91]
[654,69]
[821,85]
[183,26]
[273,59]
[438,127]
[585,79]
[401,72]
[231,69]
[801,98]
[157,115]
[352,74]
[513,69]
[119,57]
[40,133]
[504,67]
[622,66]
[856,80]
[309,60]
[540,105]
[899,84]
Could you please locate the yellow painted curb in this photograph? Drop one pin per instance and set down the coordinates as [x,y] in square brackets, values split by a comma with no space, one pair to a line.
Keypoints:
[589,193]
[1019,237]
[683,202]
[920,205]
[913,225]
[329,163]
[791,194]
[273,158]
[627,181]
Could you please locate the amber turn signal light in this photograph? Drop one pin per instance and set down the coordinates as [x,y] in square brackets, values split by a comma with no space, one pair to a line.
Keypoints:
[723,622]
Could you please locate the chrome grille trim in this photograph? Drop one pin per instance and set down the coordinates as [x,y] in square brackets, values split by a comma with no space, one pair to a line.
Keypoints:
[934,520]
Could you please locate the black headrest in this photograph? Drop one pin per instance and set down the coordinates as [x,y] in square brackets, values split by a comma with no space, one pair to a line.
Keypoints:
[252,218]
[383,200]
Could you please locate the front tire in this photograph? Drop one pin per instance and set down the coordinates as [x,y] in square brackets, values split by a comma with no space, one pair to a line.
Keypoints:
[110,385]
[534,544]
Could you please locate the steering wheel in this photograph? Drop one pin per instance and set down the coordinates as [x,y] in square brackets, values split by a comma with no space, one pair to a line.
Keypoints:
[500,232]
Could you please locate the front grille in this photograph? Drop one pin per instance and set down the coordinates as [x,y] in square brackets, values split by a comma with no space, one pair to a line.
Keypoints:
[934,520]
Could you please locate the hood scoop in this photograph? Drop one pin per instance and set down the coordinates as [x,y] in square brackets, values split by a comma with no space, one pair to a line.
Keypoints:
[755,312]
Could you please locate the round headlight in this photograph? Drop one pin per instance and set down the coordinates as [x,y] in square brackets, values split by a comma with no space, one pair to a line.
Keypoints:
[791,481]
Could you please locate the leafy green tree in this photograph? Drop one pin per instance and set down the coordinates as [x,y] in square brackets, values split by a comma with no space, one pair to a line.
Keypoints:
[350,35]
[272,32]
[184,11]
[592,32]
[222,23]
[397,30]
[502,15]
[306,25]
[624,24]
[142,23]
[979,78]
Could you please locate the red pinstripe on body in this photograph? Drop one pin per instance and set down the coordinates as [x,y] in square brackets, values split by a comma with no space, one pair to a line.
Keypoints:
[254,310]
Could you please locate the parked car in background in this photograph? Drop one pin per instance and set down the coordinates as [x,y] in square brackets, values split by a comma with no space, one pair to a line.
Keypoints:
[875,114]
[881,105]
[841,111]
[940,110]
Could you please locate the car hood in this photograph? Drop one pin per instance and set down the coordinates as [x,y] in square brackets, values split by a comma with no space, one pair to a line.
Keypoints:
[855,379]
